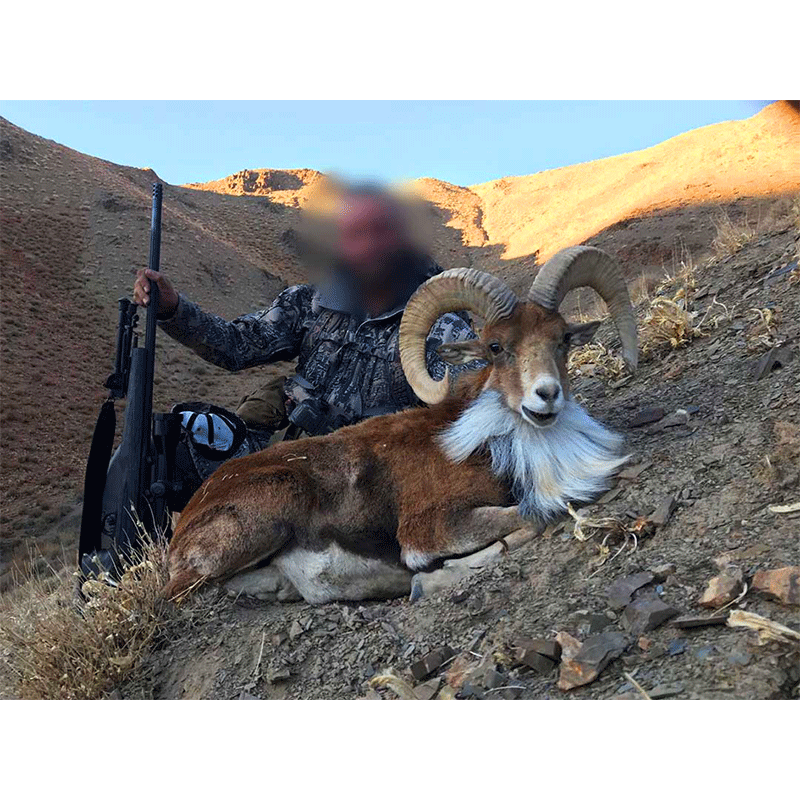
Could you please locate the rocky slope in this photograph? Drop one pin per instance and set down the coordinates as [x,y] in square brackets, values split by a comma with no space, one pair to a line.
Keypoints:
[695,528]
[74,229]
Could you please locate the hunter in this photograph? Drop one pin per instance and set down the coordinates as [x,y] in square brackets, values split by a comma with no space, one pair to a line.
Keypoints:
[343,332]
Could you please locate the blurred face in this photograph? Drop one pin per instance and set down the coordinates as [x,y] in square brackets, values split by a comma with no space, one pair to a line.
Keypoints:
[371,235]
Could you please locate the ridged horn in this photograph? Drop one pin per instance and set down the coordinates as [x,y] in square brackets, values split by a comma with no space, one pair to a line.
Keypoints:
[589,266]
[454,290]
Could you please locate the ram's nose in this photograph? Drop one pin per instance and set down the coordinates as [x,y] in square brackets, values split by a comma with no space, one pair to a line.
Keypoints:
[546,394]
[543,401]
[548,391]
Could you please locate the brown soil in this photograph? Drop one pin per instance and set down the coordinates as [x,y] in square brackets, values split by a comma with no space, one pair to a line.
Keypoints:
[74,229]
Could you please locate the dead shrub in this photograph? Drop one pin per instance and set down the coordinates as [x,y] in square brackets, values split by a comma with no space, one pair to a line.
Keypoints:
[595,360]
[762,334]
[669,320]
[62,647]
[732,236]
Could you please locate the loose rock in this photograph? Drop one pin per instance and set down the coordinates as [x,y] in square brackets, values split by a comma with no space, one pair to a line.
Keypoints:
[549,648]
[458,670]
[633,472]
[663,511]
[665,690]
[428,690]
[700,622]
[492,679]
[593,656]
[674,420]
[676,647]
[431,662]
[645,614]
[621,591]
[773,359]
[536,661]
[782,584]
[663,571]
[722,589]
[646,416]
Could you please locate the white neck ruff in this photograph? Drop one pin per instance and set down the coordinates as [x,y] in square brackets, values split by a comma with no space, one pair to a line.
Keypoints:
[572,460]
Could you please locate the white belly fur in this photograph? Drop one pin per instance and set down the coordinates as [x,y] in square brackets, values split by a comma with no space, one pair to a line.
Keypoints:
[336,574]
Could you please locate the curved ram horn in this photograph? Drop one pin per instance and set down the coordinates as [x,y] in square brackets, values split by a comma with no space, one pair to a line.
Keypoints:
[453,290]
[589,266]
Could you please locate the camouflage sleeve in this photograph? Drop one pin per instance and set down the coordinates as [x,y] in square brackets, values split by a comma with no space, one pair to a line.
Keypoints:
[273,334]
[449,328]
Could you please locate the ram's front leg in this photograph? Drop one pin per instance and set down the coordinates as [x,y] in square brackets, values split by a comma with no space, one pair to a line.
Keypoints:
[501,528]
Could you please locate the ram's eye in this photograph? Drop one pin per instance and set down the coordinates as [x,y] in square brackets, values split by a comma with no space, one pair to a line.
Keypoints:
[567,340]
[495,348]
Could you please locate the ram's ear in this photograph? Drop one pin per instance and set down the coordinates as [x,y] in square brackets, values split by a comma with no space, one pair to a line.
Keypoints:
[583,332]
[456,353]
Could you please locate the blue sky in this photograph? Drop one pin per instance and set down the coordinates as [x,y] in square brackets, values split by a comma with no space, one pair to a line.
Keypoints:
[459,142]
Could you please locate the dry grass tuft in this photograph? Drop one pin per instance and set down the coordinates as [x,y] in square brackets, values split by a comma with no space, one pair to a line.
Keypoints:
[595,360]
[669,320]
[732,236]
[763,331]
[622,531]
[666,324]
[63,648]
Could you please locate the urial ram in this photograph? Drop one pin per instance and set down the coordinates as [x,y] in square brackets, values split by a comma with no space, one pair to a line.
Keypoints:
[355,514]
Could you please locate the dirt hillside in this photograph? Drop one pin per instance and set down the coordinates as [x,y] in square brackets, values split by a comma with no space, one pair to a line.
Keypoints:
[696,521]
[74,228]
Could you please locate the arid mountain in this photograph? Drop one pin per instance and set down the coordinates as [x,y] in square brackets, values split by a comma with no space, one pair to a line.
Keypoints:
[502,225]
[74,228]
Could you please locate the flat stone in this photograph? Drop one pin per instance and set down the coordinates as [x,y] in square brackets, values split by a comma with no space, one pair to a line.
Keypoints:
[676,647]
[610,495]
[645,614]
[646,416]
[663,511]
[536,661]
[492,679]
[598,622]
[431,662]
[471,692]
[778,273]
[633,472]
[279,675]
[673,420]
[662,571]
[428,690]
[665,690]
[594,655]
[621,591]
[773,359]
[781,584]
[458,670]
[722,589]
[549,648]
[700,622]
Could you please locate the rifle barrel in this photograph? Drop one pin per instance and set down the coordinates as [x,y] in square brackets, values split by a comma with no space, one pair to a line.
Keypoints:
[154,264]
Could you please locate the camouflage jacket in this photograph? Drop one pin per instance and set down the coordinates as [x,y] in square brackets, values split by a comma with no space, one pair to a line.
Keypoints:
[347,359]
